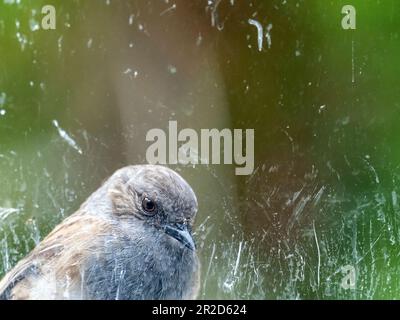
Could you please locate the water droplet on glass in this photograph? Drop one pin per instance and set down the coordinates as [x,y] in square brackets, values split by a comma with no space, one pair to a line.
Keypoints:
[33,25]
[3,97]
[172,69]
[89,43]
[131,18]
[22,40]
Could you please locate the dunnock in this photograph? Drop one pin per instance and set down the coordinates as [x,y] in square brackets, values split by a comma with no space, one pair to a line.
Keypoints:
[131,239]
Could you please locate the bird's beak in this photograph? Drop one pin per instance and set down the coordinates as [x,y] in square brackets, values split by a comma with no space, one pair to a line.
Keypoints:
[181,233]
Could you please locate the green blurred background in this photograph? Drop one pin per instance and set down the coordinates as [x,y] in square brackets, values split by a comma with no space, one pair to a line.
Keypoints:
[76,103]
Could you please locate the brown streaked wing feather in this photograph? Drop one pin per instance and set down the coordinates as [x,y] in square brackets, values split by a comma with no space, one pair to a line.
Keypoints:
[58,253]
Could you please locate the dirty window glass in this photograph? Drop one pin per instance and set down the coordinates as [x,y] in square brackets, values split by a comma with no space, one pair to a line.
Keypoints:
[312,85]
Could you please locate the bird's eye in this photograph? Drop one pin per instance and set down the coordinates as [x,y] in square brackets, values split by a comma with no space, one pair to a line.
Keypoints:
[149,205]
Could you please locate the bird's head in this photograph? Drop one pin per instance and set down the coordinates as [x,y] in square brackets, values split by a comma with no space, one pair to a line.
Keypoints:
[157,197]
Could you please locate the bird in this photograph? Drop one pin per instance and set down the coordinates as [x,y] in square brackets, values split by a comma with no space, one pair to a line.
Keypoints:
[130,240]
